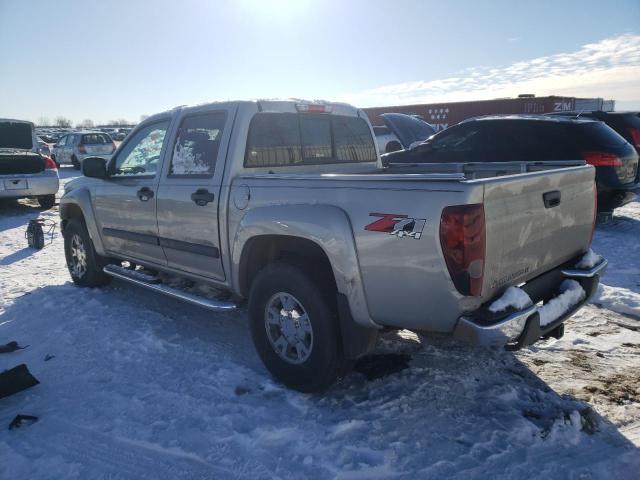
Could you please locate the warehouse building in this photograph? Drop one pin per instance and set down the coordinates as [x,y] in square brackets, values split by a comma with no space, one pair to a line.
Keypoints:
[443,115]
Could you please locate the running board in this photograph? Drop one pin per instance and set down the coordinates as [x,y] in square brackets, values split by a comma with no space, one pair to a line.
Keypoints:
[151,283]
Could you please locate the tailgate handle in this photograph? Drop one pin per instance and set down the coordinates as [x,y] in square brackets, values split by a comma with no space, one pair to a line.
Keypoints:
[551,199]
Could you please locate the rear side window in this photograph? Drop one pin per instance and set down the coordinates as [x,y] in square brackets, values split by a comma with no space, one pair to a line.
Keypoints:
[598,135]
[95,139]
[197,145]
[281,139]
[353,140]
[274,140]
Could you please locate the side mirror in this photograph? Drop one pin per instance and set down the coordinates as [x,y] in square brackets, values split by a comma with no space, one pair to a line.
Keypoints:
[95,167]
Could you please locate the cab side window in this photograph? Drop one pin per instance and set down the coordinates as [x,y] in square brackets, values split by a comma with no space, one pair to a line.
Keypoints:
[141,154]
[198,141]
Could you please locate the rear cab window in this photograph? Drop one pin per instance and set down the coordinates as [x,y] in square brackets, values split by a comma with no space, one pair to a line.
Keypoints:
[290,139]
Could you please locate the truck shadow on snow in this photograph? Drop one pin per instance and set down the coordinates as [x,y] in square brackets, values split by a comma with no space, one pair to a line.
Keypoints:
[451,397]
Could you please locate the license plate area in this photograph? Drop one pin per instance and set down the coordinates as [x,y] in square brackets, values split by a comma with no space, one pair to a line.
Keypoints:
[16,184]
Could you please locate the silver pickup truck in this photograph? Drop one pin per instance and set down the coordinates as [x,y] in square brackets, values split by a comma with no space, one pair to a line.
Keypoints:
[285,205]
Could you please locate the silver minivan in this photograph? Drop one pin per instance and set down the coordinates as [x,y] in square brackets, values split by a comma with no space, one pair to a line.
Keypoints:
[74,147]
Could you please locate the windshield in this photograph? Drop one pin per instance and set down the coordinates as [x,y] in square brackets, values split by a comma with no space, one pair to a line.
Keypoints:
[408,129]
[16,135]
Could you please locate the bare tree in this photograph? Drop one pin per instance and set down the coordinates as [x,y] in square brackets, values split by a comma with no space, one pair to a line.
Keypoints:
[87,123]
[62,122]
[43,122]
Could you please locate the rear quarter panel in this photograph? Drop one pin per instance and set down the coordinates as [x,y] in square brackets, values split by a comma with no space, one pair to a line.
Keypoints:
[405,280]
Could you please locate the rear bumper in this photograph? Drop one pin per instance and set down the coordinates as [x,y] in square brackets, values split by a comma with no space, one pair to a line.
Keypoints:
[46,183]
[517,329]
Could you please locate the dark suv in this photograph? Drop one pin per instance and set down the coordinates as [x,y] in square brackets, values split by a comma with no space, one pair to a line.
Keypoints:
[516,138]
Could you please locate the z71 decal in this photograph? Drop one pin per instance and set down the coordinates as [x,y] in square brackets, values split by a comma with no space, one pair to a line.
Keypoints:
[397,224]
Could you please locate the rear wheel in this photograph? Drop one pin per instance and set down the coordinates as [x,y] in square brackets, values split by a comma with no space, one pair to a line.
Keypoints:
[47,201]
[295,328]
[84,264]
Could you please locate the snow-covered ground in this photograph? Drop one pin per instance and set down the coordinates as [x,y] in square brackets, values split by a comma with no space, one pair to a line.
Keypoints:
[142,386]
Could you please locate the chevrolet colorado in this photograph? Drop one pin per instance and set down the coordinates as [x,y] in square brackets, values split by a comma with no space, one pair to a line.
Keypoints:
[286,205]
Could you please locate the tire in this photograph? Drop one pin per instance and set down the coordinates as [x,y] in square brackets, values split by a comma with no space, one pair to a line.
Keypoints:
[75,162]
[90,274]
[323,362]
[47,201]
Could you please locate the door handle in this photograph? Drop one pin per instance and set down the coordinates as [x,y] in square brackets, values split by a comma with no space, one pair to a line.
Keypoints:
[144,194]
[202,196]
[551,199]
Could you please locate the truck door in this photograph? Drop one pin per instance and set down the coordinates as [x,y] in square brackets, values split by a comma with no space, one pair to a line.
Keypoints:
[189,191]
[125,203]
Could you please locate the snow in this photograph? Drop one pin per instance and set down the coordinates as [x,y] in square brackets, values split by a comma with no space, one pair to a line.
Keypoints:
[571,294]
[512,297]
[143,386]
[589,260]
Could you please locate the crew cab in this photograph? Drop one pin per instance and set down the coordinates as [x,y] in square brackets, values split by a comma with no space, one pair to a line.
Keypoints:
[285,206]
[24,171]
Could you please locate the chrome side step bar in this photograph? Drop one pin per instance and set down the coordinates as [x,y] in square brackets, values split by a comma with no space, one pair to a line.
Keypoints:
[151,283]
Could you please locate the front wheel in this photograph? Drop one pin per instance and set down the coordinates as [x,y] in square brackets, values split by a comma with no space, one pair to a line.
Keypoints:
[295,328]
[84,264]
[75,163]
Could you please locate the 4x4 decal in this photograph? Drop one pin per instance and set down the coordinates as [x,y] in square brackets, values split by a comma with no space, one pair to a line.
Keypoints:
[397,224]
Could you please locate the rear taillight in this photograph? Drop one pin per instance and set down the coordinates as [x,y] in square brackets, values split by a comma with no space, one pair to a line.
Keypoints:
[602,159]
[635,135]
[462,237]
[49,164]
[82,149]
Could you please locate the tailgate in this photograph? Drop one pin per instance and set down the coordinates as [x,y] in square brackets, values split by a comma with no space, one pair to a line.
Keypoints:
[535,222]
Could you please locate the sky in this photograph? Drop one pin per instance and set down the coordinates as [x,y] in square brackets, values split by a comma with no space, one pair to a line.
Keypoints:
[108,60]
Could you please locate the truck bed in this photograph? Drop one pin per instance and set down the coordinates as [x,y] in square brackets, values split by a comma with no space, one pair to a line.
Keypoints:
[524,238]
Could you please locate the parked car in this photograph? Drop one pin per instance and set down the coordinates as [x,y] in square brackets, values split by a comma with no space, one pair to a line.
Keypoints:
[43,148]
[74,147]
[285,204]
[627,124]
[24,171]
[121,134]
[535,138]
[401,132]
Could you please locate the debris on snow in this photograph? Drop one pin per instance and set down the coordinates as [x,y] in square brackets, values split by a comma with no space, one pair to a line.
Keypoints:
[22,420]
[512,297]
